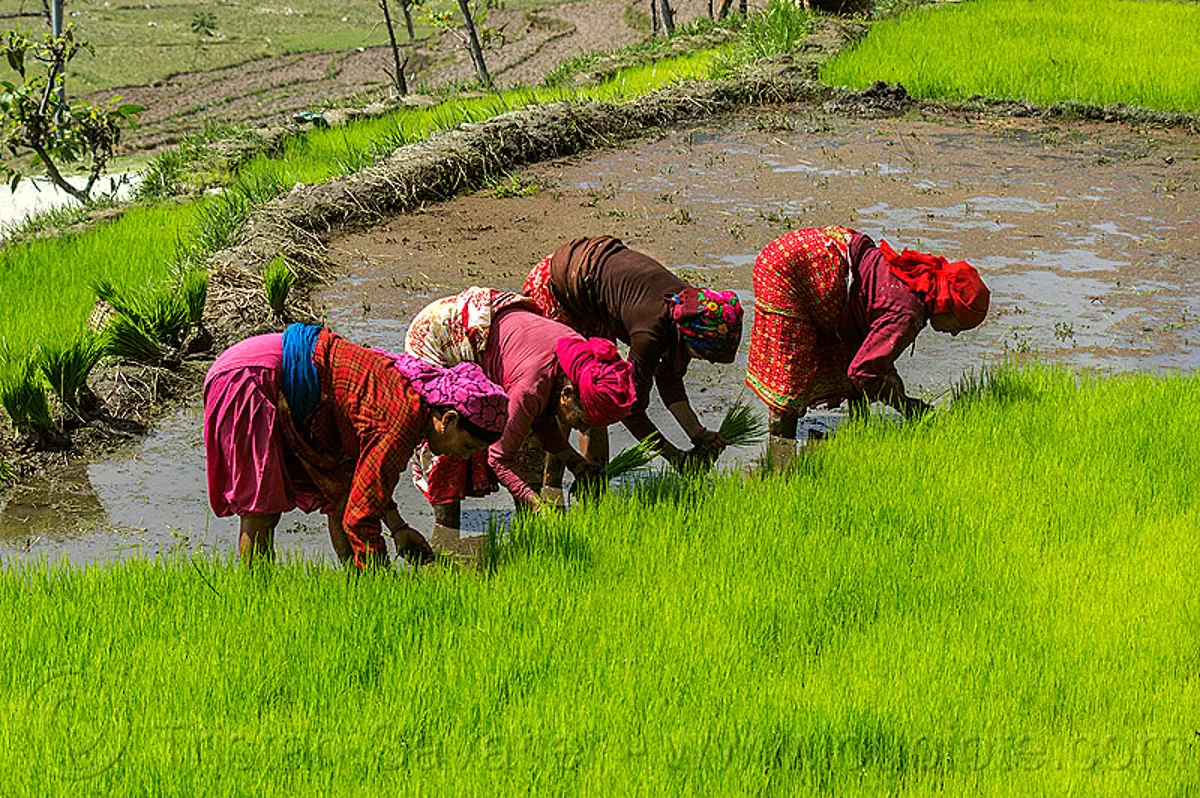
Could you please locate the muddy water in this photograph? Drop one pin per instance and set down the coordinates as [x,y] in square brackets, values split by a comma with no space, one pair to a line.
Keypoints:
[1086,235]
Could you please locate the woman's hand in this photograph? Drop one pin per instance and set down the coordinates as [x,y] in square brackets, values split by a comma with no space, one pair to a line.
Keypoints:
[707,439]
[913,408]
[412,545]
[589,478]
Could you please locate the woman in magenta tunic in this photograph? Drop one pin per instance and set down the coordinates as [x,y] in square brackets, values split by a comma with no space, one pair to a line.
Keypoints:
[833,312]
[554,378]
[306,420]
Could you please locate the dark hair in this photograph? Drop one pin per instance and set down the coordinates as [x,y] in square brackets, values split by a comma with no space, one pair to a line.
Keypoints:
[473,429]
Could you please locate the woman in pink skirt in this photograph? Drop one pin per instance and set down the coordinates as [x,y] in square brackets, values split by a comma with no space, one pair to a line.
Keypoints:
[306,420]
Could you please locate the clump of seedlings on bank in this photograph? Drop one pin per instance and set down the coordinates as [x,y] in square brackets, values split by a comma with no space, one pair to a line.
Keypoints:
[278,279]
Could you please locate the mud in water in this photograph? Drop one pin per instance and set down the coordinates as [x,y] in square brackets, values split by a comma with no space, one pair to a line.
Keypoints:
[1085,233]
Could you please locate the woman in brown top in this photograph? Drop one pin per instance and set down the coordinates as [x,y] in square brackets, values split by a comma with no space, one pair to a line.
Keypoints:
[601,288]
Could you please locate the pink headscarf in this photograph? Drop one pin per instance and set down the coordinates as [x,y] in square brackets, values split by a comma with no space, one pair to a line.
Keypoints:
[463,387]
[604,379]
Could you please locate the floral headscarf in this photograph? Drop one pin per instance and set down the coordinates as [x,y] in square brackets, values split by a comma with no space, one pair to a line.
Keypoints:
[709,321]
[463,387]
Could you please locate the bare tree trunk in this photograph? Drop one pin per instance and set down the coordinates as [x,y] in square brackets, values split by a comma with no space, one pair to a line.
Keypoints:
[653,18]
[710,10]
[742,7]
[473,43]
[725,6]
[46,11]
[398,78]
[668,16]
[406,7]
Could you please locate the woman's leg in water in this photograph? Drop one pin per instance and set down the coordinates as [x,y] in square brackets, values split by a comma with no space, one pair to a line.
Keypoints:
[781,438]
[257,537]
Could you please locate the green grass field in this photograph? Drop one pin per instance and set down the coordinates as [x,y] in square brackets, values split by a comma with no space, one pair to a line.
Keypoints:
[999,600]
[138,43]
[1136,52]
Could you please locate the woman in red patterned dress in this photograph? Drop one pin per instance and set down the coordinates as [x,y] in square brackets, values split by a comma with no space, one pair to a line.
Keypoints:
[833,312]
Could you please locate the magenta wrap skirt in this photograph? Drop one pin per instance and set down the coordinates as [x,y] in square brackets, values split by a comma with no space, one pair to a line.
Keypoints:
[250,470]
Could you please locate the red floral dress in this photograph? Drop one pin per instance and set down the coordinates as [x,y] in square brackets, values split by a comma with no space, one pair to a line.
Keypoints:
[801,288]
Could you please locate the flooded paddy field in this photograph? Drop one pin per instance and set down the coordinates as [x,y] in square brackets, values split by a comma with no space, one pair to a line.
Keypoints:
[1086,234]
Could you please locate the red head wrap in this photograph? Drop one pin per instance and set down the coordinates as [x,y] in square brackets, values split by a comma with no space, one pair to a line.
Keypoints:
[604,379]
[948,287]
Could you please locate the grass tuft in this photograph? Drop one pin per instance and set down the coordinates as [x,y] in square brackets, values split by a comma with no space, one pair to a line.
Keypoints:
[278,279]
[66,366]
[513,185]
[23,396]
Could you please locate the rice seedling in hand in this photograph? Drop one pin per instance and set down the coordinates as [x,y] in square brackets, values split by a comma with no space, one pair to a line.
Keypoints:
[66,367]
[634,458]
[742,426]
[278,279]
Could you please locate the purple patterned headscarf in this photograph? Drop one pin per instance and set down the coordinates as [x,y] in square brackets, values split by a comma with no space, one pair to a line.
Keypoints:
[465,388]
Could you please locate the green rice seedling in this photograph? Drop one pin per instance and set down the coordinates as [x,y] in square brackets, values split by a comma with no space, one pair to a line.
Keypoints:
[1040,51]
[741,426]
[23,396]
[223,216]
[8,472]
[278,279]
[193,288]
[632,459]
[66,367]
[1018,619]
[513,185]
[126,339]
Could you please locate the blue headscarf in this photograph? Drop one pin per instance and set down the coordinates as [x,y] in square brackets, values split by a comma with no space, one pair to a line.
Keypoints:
[301,386]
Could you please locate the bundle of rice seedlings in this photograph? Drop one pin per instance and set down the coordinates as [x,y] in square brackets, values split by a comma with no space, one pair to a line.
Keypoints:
[163,314]
[193,286]
[278,279]
[742,426]
[67,366]
[24,397]
[125,339]
[634,458]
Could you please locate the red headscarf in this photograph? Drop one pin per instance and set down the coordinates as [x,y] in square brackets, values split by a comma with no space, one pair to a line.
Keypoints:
[948,287]
[604,380]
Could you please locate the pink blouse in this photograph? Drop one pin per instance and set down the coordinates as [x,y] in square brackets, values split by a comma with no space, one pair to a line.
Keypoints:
[521,357]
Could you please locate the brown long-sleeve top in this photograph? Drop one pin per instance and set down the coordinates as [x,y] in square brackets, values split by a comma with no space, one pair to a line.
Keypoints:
[612,291]
[882,318]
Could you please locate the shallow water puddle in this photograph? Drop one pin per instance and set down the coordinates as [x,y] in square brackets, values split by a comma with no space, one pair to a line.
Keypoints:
[1086,235]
